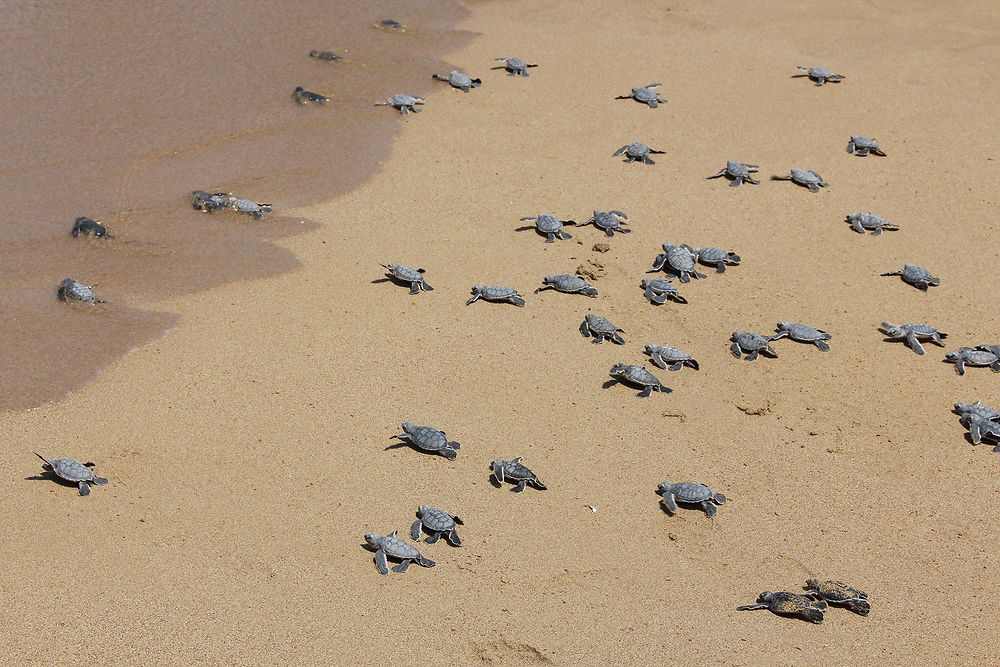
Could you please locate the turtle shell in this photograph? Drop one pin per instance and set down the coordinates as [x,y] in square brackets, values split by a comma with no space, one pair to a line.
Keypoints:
[637,149]
[495,292]
[915,274]
[606,220]
[691,492]
[668,353]
[436,519]
[679,258]
[426,437]
[394,546]
[71,470]
[836,591]
[568,283]
[750,341]
[806,333]
[790,603]
[516,470]
[639,375]
[644,94]
[406,273]
[548,224]
[922,330]
[712,255]
[598,324]
[978,357]
[805,176]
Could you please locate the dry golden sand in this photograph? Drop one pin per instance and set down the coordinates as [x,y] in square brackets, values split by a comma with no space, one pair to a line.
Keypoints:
[245,449]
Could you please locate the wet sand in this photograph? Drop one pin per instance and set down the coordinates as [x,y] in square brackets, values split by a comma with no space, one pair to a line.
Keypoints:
[246,449]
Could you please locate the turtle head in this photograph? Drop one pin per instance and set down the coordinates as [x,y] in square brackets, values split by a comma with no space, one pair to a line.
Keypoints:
[663,487]
[765,597]
[407,426]
[617,369]
[811,584]
[423,508]
[953,355]
[890,329]
[548,280]
[372,539]
[784,325]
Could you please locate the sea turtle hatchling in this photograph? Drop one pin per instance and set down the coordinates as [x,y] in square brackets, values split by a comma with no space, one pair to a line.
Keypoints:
[609,222]
[601,329]
[391,24]
[789,604]
[659,290]
[438,524]
[514,66]
[457,79]
[671,358]
[805,178]
[637,152]
[819,75]
[738,172]
[639,377]
[548,226]
[249,207]
[689,493]
[645,95]
[405,103]
[84,226]
[390,546]
[303,96]
[517,473]
[680,260]
[495,293]
[751,343]
[981,428]
[967,356]
[913,334]
[917,276]
[429,439]
[718,258]
[840,594]
[803,334]
[71,289]
[867,220]
[407,276]
[862,146]
[976,409]
[329,56]
[73,471]
[209,202]
[569,284]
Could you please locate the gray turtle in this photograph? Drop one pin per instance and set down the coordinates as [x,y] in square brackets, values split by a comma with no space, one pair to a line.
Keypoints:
[659,290]
[867,220]
[738,173]
[638,377]
[718,258]
[73,471]
[569,284]
[805,178]
[995,349]
[429,439]
[976,409]
[637,152]
[517,473]
[667,357]
[645,95]
[390,546]
[967,356]
[210,202]
[405,103]
[689,493]
[71,289]
[862,146]
[548,226]
[495,293]
[84,226]
[514,66]
[840,594]
[457,79]
[391,24]
[324,55]
[819,75]
[601,329]
[789,604]
[249,207]
[437,523]
[609,222]
[917,276]
[981,428]
[680,260]
[803,334]
[913,334]
[751,343]
[407,276]
[303,96]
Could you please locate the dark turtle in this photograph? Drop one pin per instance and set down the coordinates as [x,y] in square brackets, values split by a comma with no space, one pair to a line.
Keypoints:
[867,220]
[569,284]
[967,356]
[404,275]
[680,260]
[718,258]
[639,377]
[667,357]
[689,493]
[73,471]
[609,222]
[429,439]
[391,24]
[803,334]
[751,343]
[995,349]
[325,55]
[303,96]
[819,75]
[548,226]
[495,293]
[840,594]
[459,80]
[71,289]
[390,546]
[210,202]
[862,146]
[981,428]
[84,226]
[917,276]
[637,152]
[645,95]
[738,173]
[913,334]
[601,329]
[805,178]
[249,207]
[789,604]
[516,472]
[514,66]
[405,103]
[437,523]
[659,290]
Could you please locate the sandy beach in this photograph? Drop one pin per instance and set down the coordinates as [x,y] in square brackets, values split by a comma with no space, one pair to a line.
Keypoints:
[246,448]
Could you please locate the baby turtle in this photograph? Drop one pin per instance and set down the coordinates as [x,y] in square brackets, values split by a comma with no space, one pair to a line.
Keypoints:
[659,290]
[868,220]
[667,357]
[405,103]
[458,80]
[429,439]
[637,152]
[738,173]
[718,258]
[803,334]
[862,146]
[805,178]
[514,66]
[976,409]
[71,289]
[324,55]
[495,293]
[645,95]
[303,96]
[819,75]
[407,276]
[73,471]
[390,546]
[601,329]
[391,24]
[438,523]
[569,284]
[639,377]
[980,428]
[917,276]
[840,594]
[789,604]
[515,471]
[967,356]
[680,260]
[689,493]
[84,226]
[248,207]
[913,334]
[209,202]
[548,226]
[751,343]
[609,222]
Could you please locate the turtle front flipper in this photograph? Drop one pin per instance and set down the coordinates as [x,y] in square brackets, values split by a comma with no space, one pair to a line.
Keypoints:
[751,607]
[669,504]
[914,344]
[735,349]
[415,529]
[380,562]
[498,471]
[84,488]
[975,431]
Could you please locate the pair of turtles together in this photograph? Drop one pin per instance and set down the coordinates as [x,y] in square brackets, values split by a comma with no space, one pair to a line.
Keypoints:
[73,471]
[754,344]
[680,260]
[210,202]
[982,422]
[435,522]
[551,227]
[811,605]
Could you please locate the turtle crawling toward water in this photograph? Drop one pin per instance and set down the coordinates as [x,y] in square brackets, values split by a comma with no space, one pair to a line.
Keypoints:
[912,334]
[678,259]
[967,356]
[645,95]
[390,546]
[804,177]
[210,202]
[303,96]
[751,343]
[329,56]
[84,226]
[430,440]
[391,24]
[405,103]
[609,222]
[867,220]
[637,152]
[569,284]
[514,66]
[404,275]
[667,357]
[659,290]
[689,493]
[71,289]
[977,410]
[495,293]
[73,471]
[601,329]
[249,207]
[917,276]
[862,146]
[718,258]
[738,173]
[840,594]
[638,376]
[548,226]
[981,428]
[789,604]
[803,334]
[459,80]
[438,524]
[819,75]
[515,472]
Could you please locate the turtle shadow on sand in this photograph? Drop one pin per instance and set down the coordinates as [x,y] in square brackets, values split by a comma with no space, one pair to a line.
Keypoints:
[49,476]
[607,384]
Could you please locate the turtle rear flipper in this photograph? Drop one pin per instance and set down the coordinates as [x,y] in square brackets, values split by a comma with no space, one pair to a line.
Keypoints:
[449,453]
[859,606]
[517,301]
[812,614]
[519,488]
[424,562]
[536,484]
[403,566]
[453,538]
[432,538]
[710,509]
[84,488]
[822,345]
[100,480]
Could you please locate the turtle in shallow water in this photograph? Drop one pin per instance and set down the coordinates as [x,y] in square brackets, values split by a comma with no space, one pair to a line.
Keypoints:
[548,226]
[609,222]
[249,207]
[667,357]
[517,473]
[789,604]
[689,493]
[803,334]
[601,329]
[645,95]
[678,259]
[862,146]
[751,343]
[209,202]
[325,55]
[637,152]
[718,258]
[405,103]
[391,25]
[495,293]
[840,594]
[913,333]
[819,75]
[638,376]
[429,439]
[303,96]
[73,471]
[804,177]
[390,546]
[967,356]
[867,220]
[514,66]
[569,284]
[981,428]
[739,173]
[917,276]
[659,290]
[71,289]
[438,524]
[404,275]
[457,79]
[84,226]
